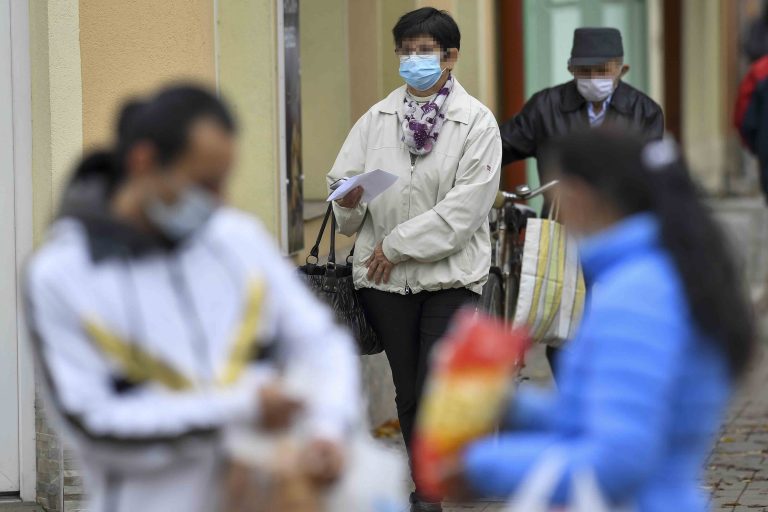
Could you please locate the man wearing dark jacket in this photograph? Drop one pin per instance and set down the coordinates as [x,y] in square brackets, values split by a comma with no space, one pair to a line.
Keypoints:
[596,95]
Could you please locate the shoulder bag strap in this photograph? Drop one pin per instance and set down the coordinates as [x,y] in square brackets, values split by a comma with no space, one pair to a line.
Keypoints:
[332,252]
[315,251]
[351,254]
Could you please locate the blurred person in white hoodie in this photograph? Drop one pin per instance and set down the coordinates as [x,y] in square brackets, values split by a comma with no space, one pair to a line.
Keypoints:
[162,317]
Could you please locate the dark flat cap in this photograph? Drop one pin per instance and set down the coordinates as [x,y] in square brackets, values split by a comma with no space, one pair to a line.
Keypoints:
[593,46]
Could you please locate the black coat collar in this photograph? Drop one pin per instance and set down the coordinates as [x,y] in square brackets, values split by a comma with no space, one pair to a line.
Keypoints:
[86,201]
[621,101]
[109,238]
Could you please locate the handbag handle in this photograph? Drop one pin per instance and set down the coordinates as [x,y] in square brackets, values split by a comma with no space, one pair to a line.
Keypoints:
[315,251]
[332,251]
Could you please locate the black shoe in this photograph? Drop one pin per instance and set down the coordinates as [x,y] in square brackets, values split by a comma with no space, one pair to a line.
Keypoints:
[418,505]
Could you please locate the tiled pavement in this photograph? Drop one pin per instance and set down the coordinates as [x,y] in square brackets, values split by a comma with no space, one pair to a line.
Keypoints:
[737,471]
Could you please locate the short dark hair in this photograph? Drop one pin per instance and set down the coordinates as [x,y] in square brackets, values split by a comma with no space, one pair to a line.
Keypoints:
[165,120]
[428,21]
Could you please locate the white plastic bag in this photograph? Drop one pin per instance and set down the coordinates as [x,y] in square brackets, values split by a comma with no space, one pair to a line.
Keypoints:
[536,491]
[550,301]
[374,480]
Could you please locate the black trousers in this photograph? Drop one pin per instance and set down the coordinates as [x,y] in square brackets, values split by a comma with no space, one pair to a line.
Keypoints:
[552,355]
[408,327]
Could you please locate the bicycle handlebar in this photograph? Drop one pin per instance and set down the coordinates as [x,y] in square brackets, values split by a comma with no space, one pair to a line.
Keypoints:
[521,193]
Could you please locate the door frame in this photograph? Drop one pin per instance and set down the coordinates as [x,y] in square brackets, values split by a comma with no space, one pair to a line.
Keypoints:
[23,226]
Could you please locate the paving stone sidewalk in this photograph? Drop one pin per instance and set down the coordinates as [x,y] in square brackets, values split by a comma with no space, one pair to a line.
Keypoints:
[737,470]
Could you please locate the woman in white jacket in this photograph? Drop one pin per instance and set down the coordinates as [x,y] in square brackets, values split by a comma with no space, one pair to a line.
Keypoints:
[161,317]
[423,248]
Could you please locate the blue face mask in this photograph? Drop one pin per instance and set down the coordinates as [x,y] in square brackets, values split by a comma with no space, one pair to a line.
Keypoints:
[420,71]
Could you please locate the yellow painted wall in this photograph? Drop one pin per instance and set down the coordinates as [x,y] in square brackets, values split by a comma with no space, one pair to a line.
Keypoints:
[390,12]
[703,114]
[248,79]
[130,47]
[477,68]
[89,55]
[57,136]
[365,58]
[488,55]
[325,89]
[468,67]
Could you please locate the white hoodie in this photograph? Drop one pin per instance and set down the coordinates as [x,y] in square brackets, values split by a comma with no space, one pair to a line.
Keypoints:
[148,354]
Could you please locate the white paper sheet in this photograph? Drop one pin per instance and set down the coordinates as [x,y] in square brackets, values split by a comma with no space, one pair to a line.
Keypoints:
[373,183]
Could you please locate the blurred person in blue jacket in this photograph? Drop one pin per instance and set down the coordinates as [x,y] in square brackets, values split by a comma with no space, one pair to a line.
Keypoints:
[668,332]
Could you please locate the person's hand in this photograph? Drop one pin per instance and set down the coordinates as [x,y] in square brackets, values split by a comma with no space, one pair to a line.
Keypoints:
[323,462]
[454,480]
[352,199]
[379,267]
[278,410]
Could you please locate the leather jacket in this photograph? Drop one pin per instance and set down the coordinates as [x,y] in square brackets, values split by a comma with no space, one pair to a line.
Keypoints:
[561,110]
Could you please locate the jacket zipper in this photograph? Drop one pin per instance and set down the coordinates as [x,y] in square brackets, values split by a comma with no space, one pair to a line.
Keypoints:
[197,334]
[410,194]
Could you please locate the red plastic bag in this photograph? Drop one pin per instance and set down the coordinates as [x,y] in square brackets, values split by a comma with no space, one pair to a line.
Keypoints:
[470,380]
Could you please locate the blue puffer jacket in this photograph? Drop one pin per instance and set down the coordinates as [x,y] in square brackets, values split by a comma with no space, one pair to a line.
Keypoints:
[642,391]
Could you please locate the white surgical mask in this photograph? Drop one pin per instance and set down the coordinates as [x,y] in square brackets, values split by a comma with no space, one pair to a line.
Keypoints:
[595,89]
[188,214]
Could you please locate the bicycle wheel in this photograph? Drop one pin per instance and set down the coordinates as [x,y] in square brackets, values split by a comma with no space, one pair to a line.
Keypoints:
[493,295]
[511,290]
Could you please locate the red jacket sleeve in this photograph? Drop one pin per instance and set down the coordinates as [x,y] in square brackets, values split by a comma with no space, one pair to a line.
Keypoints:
[757,73]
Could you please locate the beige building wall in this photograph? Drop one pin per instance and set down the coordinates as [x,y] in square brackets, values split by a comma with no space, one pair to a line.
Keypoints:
[477,68]
[365,56]
[704,108]
[133,46]
[374,67]
[57,141]
[57,101]
[325,89]
[121,49]
[248,79]
[655,48]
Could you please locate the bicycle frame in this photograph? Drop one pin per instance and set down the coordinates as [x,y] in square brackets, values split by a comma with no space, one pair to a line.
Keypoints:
[508,221]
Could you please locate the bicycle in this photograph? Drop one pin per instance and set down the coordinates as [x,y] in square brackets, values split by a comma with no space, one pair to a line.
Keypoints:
[507,221]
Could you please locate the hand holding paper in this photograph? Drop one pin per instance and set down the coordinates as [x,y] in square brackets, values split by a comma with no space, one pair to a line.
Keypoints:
[373,184]
[352,199]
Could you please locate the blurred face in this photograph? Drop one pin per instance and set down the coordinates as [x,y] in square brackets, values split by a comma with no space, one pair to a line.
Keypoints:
[426,45]
[596,83]
[205,164]
[423,62]
[611,69]
[581,208]
[179,197]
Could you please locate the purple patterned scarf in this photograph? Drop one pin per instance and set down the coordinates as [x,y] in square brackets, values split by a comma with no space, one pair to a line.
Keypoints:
[422,123]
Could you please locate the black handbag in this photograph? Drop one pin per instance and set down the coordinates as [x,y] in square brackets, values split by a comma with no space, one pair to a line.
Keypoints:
[332,283]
